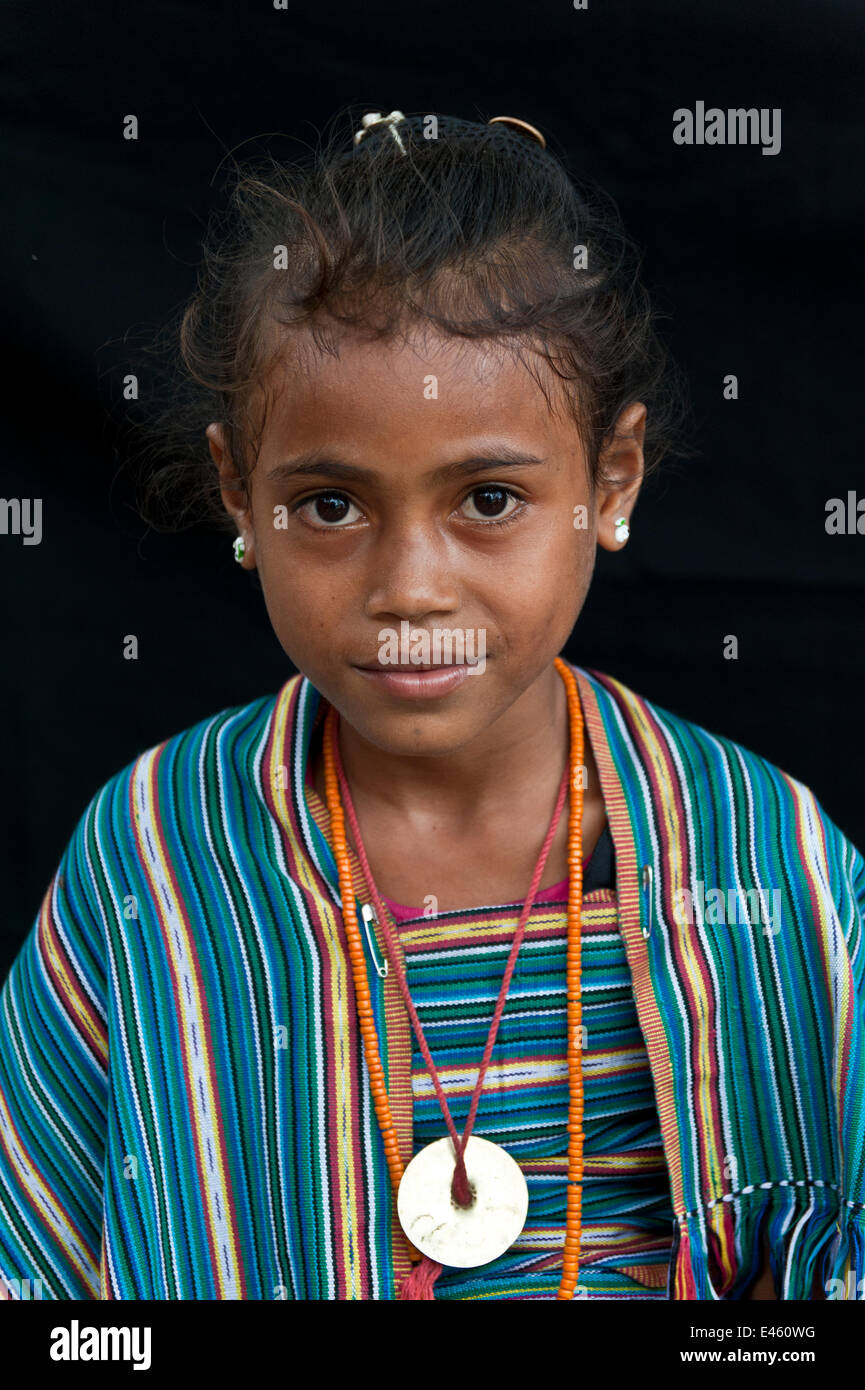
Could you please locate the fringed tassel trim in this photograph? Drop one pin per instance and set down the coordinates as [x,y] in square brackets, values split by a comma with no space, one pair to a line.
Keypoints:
[816,1244]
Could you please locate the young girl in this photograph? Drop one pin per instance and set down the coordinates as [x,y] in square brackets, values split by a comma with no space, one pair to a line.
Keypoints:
[451,970]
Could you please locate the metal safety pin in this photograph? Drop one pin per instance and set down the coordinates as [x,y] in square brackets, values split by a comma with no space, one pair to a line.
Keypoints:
[647,891]
[367,913]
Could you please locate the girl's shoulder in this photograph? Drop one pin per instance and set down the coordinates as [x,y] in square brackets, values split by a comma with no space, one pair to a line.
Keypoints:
[173,811]
[211,768]
[672,747]
[704,795]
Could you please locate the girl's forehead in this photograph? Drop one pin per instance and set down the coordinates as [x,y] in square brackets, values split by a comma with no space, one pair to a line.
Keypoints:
[417,373]
[414,352]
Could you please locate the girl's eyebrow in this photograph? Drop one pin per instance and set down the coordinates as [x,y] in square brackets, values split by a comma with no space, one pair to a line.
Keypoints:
[325,465]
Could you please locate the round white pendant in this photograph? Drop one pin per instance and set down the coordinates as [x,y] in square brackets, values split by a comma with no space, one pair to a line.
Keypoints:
[463,1236]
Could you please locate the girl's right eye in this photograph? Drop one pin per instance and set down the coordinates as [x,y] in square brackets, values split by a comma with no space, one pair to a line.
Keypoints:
[327,511]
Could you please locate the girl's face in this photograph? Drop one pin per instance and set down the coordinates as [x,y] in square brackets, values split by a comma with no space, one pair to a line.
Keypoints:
[411,487]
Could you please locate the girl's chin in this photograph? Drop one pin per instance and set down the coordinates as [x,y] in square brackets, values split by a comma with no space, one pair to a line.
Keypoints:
[415,729]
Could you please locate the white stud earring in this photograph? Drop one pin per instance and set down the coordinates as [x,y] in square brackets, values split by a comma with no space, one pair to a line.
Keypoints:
[239,549]
[622,530]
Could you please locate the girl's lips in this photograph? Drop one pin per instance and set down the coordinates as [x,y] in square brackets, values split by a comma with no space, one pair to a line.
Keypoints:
[416,684]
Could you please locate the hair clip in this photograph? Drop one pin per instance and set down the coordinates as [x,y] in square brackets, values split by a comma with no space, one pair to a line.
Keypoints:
[376,118]
[521,125]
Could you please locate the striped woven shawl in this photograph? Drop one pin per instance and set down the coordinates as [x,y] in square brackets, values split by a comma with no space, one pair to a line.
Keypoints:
[184,1107]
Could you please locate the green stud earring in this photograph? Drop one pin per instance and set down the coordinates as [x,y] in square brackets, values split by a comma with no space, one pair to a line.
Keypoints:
[239,549]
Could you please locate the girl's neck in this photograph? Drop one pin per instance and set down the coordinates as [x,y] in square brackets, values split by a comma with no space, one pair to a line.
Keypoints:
[526,741]
[528,744]
[468,829]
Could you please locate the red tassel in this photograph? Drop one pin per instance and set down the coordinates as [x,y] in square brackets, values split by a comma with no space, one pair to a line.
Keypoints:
[419,1284]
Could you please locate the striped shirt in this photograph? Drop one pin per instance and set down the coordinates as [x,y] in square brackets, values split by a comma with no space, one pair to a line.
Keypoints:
[454,967]
[185,1110]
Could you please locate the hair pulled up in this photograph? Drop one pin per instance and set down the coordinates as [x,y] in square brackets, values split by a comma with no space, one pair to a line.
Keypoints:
[471,230]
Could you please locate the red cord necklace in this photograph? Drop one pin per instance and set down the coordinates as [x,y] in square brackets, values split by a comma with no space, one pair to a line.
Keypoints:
[465,1199]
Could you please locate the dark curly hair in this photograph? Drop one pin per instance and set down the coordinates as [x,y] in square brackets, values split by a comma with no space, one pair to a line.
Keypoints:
[471,229]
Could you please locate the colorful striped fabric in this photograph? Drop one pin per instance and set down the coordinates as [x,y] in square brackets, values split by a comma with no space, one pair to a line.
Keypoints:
[184,1107]
[454,965]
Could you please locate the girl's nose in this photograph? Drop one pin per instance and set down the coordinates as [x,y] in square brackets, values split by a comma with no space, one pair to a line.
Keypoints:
[411,576]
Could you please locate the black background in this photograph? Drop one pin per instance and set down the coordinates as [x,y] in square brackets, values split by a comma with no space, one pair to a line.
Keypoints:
[755,257]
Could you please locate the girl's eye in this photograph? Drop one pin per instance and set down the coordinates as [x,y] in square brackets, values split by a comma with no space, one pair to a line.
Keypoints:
[328,510]
[490,503]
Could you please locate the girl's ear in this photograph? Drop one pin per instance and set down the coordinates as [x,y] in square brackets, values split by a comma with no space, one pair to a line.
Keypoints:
[232,491]
[624,465]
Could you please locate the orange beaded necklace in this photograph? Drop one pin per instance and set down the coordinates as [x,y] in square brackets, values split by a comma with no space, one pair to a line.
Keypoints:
[573,1221]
